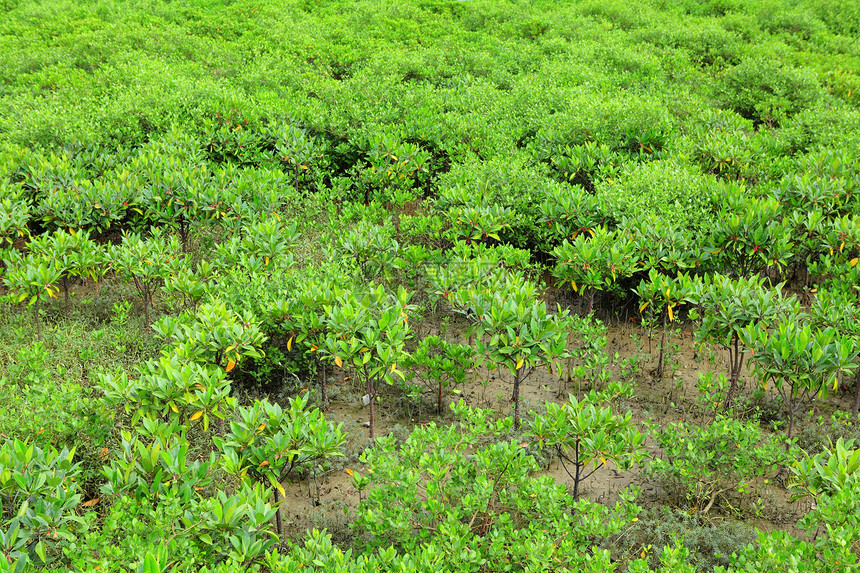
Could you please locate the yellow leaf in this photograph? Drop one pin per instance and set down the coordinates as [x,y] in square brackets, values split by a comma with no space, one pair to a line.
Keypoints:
[263,464]
[841,246]
[174,408]
[72,231]
[644,305]
[520,363]
[338,361]
[671,316]
[91,502]
[230,366]
[290,344]
[349,472]
[196,415]
[267,261]
[314,348]
[261,427]
[280,489]
[591,232]
[277,216]
[573,284]
[853,262]
[304,166]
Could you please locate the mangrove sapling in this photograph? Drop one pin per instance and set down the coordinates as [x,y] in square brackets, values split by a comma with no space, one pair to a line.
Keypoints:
[594,261]
[75,254]
[368,333]
[306,316]
[373,249]
[213,335]
[801,361]
[727,306]
[269,443]
[14,214]
[441,365]
[587,359]
[704,464]
[586,434]
[517,332]
[146,262]
[662,294]
[750,234]
[33,279]
[662,246]
[567,213]
[298,152]
[173,197]
[836,309]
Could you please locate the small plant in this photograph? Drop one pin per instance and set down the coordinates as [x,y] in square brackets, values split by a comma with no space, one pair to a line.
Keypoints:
[33,279]
[441,365]
[799,360]
[145,262]
[74,254]
[587,434]
[663,295]
[368,333]
[594,261]
[704,465]
[728,306]
[268,443]
[517,332]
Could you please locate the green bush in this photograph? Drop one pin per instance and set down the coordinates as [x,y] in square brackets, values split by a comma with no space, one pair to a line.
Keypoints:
[767,91]
[667,188]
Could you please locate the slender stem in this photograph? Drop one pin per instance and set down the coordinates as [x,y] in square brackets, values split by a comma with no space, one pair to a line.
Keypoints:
[370,393]
[662,344]
[515,398]
[856,406]
[278,522]
[38,321]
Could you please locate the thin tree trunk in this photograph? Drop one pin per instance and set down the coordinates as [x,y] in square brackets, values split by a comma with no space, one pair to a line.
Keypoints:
[38,321]
[790,424]
[370,394]
[516,400]
[324,394]
[856,407]
[735,362]
[66,284]
[439,399]
[146,308]
[278,522]
[662,344]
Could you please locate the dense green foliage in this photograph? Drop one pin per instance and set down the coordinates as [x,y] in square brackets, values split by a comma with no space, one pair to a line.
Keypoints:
[261,215]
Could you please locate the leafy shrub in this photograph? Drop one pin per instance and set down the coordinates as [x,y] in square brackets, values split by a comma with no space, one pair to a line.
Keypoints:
[664,188]
[710,543]
[707,464]
[767,91]
[470,493]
